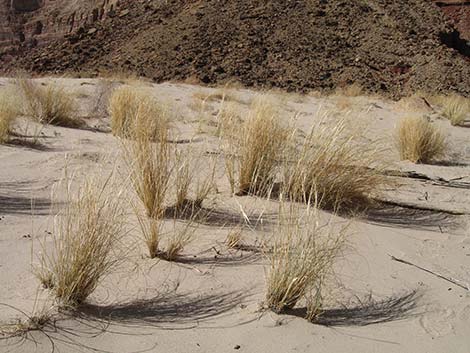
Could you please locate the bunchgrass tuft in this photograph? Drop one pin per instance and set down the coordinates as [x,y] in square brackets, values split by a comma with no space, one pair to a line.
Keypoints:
[334,165]
[419,140]
[180,235]
[36,321]
[352,90]
[167,186]
[134,113]
[8,113]
[87,235]
[301,259]
[49,104]
[234,238]
[254,150]
[150,164]
[456,109]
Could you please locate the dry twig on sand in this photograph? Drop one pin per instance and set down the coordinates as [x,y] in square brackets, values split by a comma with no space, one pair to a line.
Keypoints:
[457,282]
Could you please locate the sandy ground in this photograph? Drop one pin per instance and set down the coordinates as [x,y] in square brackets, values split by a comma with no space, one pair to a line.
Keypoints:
[211,302]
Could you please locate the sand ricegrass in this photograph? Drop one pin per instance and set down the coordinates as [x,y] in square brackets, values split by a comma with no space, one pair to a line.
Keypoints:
[8,113]
[234,239]
[151,167]
[179,236]
[134,113]
[150,174]
[85,242]
[48,104]
[335,165]
[301,260]
[253,150]
[166,185]
[419,140]
[166,239]
[21,327]
[192,186]
[352,90]
[456,109]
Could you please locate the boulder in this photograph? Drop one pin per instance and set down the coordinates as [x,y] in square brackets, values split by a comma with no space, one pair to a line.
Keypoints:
[26,5]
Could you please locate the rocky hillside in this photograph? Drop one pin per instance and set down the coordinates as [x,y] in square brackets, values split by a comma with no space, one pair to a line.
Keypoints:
[392,46]
[458,12]
[28,23]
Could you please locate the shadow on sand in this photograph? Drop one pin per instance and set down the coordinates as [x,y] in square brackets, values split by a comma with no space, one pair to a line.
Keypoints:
[368,311]
[74,330]
[408,217]
[24,205]
[184,309]
[213,217]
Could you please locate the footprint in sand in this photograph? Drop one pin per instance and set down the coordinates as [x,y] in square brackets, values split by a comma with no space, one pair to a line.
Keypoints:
[438,323]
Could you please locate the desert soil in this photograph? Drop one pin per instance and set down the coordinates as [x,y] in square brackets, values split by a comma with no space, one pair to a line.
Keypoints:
[211,302]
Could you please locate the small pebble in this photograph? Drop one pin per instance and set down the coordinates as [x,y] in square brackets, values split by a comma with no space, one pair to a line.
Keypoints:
[237,347]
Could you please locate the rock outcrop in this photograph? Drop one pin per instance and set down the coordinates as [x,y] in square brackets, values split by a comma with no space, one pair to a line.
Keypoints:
[29,23]
[25,5]
[457,11]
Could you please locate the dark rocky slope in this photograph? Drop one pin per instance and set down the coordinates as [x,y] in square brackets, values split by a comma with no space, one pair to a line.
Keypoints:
[391,46]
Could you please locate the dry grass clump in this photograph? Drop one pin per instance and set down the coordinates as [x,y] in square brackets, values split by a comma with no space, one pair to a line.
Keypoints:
[8,113]
[165,182]
[22,327]
[36,321]
[167,240]
[419,140]
[178,237]
[254,149]
[87,234]
[301,260]
[192,186]
[456,109]
[335,166]
[157,176]
[134,112]
[150,164]
[234,238]
[49,104]
[353,90]
[217,96]
[150,171]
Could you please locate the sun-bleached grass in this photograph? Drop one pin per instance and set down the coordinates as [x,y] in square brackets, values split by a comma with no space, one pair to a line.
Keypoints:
[8,113]
[419,140]
[150,169]
[180,235]
[167,184]
[48,104]
[37,320]
[456,109]
[181,202]
[166,239]
[301,259]
[192,185]
[253,150]
[150,165]
[133,112]
[234,238]
[334,165]
[148,157]
[352,90]
[86,240]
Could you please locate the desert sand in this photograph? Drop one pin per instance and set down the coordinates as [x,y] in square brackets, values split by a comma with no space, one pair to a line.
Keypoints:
[211,301]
